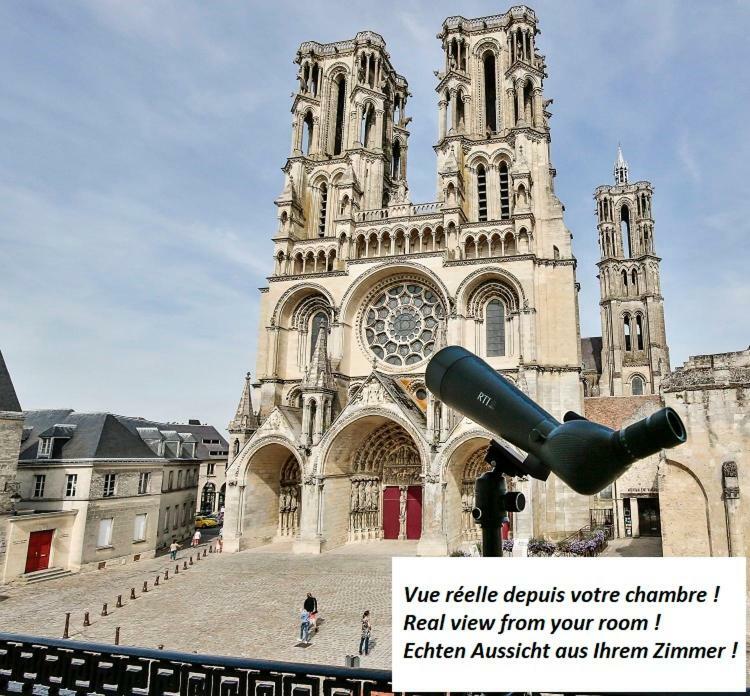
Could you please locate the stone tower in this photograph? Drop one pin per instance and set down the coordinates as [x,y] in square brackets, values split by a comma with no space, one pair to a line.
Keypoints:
[367,286]
[635,355]
[244,423]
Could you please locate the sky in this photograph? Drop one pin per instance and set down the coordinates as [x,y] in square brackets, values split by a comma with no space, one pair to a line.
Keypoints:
[140,153]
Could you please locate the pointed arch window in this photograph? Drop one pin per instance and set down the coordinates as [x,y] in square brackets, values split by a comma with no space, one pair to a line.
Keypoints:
[639,332]
[628,337]
[323,210]
[482,193]
[307,133]
[319,321]
[490,99]
[339,94]
[495,328]
[504,192]
[625,227]
[396,161]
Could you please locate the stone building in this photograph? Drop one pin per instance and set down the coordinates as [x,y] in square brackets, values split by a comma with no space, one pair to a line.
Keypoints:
[212,474]
[98,488]
[11,429]
[703,485]
[347,443]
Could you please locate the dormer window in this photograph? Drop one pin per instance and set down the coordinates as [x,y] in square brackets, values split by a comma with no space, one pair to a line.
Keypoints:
[45,447]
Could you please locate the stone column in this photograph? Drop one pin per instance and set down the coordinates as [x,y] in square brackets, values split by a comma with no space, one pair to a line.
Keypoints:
[233,517]
[634,521]
[538,108]
[295,137]
[358,127]
[309,540]
[432,541]
[731,495]
[442,104]
[402,513]
[454,112]
[379,130]
[519,104]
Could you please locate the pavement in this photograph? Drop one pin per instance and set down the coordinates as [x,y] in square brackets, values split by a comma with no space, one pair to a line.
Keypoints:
[244,604]
[638,547]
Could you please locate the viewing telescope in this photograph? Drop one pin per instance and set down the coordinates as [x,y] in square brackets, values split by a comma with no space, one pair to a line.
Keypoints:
[585,455]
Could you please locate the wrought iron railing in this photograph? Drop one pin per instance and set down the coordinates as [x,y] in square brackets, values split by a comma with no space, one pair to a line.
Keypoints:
[55,667]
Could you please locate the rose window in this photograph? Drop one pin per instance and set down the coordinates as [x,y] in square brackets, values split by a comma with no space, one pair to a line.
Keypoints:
[401,324]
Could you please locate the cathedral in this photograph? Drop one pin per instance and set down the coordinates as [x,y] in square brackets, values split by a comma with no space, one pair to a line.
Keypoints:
[337,440]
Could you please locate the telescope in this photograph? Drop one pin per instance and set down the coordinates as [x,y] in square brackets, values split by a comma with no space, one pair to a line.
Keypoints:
[585,455]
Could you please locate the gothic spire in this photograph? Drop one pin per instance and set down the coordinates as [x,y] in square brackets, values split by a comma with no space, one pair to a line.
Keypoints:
[621,167]
[245,418]
[318,374]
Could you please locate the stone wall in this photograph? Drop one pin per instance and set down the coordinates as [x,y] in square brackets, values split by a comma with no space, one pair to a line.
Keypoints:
[704,508]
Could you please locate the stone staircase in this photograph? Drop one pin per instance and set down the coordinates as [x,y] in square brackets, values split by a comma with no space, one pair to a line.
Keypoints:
[44,575]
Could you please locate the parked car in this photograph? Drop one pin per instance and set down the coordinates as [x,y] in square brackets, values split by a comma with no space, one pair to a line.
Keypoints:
[205,521]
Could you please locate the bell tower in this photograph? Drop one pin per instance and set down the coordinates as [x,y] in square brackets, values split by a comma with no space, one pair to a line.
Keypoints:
[493,138]
[635,355]
[349,138]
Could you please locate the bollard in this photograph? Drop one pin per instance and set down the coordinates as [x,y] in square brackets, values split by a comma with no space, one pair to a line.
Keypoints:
[156,582]
[86,621]
[184,563]
[119,601]
[198,557]
[204,552]
[132,593]
[210,549]
[117,635]
[67,625]
[177,569]
[104,610]
[145,585]
[161,646]
[166,575]
[191,560]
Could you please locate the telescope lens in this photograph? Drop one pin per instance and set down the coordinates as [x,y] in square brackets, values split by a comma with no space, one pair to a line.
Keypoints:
[661,430]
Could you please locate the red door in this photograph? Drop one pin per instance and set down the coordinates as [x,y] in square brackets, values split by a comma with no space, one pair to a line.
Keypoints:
[414,512]
[39,547]
[391,511]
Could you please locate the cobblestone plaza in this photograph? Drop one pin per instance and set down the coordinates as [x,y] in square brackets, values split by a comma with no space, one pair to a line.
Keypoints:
[245,604]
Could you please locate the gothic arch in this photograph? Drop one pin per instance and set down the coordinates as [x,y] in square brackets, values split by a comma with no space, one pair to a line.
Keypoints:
[473,280]
[682,479]
[331,449]
[487,44]
[294,295]
[242,463]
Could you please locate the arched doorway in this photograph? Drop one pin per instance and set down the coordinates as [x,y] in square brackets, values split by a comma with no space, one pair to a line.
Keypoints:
[271,502]
[376,465]
[208,496]
[464,464]
[222,496]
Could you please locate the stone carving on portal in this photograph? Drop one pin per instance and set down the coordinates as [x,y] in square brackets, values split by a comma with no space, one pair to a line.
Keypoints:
[290,499]
[475,466]
[364,509]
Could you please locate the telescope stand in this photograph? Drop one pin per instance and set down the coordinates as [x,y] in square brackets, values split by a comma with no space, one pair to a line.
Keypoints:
[492,499]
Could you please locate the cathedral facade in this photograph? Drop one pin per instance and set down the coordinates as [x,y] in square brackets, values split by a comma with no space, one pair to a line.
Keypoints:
[347,444]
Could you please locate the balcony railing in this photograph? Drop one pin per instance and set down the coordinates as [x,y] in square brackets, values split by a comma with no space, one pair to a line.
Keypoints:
[29,664]
[398,211]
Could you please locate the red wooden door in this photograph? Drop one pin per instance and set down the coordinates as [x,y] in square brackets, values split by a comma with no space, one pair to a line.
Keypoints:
[414,512]
[39,548]
[391,511]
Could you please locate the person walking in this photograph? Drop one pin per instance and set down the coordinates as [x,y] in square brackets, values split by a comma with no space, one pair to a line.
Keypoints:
[304,629]
[364,642]
[173,549]
[221,542]
[196,538]
[311,606]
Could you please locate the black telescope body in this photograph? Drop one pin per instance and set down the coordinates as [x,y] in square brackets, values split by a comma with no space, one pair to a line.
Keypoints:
[586,455]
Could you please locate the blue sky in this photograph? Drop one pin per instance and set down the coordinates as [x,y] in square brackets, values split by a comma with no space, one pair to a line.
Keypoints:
[141,146]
